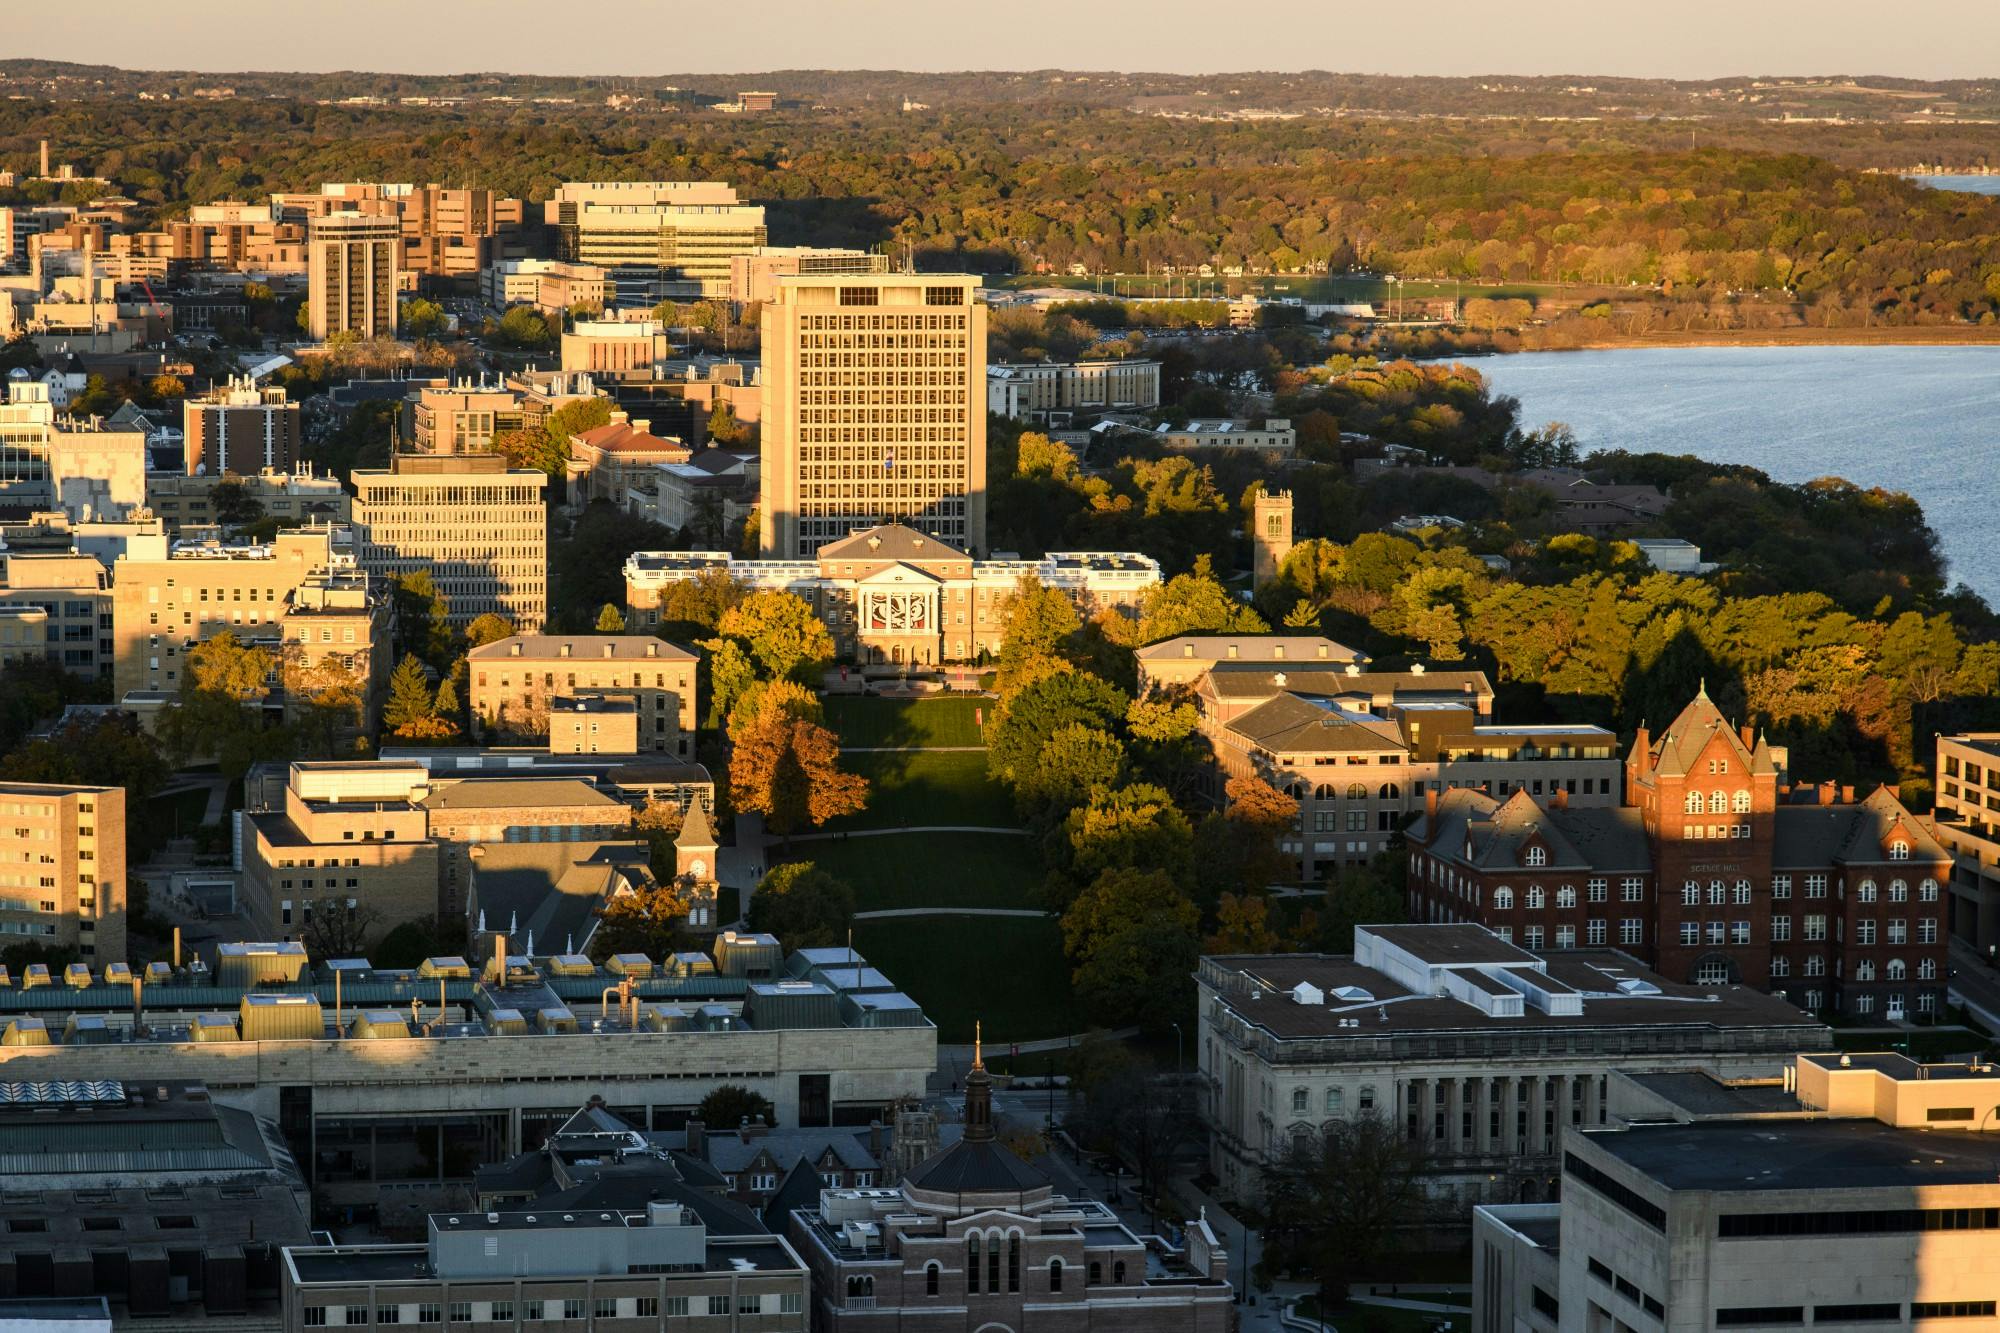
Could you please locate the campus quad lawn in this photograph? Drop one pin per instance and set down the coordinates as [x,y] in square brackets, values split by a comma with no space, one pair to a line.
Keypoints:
[915,788]
[1008,973]
[866,720]
[930,869]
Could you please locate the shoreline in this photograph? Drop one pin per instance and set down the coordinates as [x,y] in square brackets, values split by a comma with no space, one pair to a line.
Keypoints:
[1918,336]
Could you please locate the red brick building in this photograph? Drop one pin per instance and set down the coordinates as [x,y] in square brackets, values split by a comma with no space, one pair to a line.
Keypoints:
[1713,871]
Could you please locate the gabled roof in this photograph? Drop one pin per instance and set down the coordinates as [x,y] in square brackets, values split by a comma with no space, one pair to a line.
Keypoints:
[620,437]
[1681,745]
[1599,838]
[799,1190]
[891,541]
[1290,724]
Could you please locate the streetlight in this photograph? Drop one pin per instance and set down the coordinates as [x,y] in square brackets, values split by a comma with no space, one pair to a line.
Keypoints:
[1177,1054]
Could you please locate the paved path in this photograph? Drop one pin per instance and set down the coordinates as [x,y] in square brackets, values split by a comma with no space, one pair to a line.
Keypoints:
[1975,983]
[948,911]
[215,785]
[910,828]
[1398,1303]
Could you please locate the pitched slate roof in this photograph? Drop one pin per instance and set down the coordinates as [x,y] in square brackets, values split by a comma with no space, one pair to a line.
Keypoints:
[1594,838]
[1821,835]
[890,541]
[1290,724]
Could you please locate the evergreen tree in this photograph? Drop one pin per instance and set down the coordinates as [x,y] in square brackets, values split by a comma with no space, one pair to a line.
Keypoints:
[610,620]
[446,704]
[410,697]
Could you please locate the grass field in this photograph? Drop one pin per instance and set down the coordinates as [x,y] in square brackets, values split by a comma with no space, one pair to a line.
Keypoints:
[865,720]
[1009,974]
[930,869]
[909,788]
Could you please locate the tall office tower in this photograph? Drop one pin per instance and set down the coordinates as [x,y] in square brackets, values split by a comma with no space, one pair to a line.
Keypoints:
[351,274]
[66,888]
[478,527]
[241,428]
[874,409]
[661,240]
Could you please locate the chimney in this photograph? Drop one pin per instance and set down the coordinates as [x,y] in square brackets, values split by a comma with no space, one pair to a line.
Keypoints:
[875,1139]
[1827,791]
[1431,804]
[563,651]
[1559,799]
[697,1146]
[1749,736]
[1642,741]
[1847,795]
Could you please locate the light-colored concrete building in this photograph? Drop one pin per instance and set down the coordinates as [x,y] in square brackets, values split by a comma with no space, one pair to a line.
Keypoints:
[1860,1192]
[516,681]
[660,240]
[62,868]
[1967,822]
[550,285]
[163,605]
[873,410]
[610,349]
[477,526]
[69,597]
[1480,1049]
[88,469]
[293,498]
[706,497]
[353,274]
[1273,435]
[754,276]
[1185,661]
[644,1265]
[1031,390]
[461,419]
[242,428]
[891,595]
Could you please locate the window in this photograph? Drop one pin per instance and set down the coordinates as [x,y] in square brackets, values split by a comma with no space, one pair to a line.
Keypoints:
[1118,1272]
[314,1316]
[1740,802]
[1927,930]
[1739,932]
[574,1309]
[1537,899]
[1301,1101]
[1927,969]
[1597,931]
[1055,1275]
[1538,856]
[357,1314]
[1712,972]
[1864,970]
[1781,930]
[604,1307]
[502,1312]
[677,1306]
[1781,887]
[1503,899]
[1095,1276]
[1899,850]
[1815,928]
[716,1305]
[1532,937]
[1865,891]
[1366,1102]
[788,1303]
[1815,886]
[1565,895]
[461,1312]
[1690,932]
[1781,966]
[972,1263]
[430,1312]
[1333,1101]
[1927,891]
[749,1302]
[1895,970]
[1815,967]
[1597,890]
[1632,890]
[1718,802]
[1740,894]
[1864,930]
[1693,804]
[1565,937]
[931,1272]
[1864,1004]
[1714,932]
[1690,894]
[1718,893]
[531,1312]
[1899,892]
[1632,930]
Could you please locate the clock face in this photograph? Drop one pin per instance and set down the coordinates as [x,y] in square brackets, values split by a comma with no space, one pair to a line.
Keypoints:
[698,867]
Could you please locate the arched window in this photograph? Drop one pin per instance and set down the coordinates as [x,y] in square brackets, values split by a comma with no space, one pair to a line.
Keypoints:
[1899,850]
[1895,970]
[861,1286]
[1899,892]
[1096,1273]
[1927,891]
[1740,802]
[993,1263]
[1503,898]
[1693,803]
[1537,899]
[1718,802]
[1866,892]
[1538,856]
[1323,792]
[1390,792]
[1014,1261]
[1296,790]
[1927,969]
[1356,792]
[972,1263]
[1118,1273]
[1055,1275]
[1864,970]
[1566,895]
[931,1279]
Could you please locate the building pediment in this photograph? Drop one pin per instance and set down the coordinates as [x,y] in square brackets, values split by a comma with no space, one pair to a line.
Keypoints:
[900,575]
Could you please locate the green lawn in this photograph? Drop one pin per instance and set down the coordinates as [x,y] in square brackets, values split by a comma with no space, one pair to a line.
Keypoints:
[870,721]
[912,788]
[930,869]
[1006,973]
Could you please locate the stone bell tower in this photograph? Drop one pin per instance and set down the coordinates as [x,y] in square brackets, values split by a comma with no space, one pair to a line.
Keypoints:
[1270,535]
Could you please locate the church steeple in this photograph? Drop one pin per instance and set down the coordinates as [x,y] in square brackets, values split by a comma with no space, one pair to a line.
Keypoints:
[978,1094]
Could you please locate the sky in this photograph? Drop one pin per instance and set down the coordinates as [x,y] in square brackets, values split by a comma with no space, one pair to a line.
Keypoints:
[1645,38]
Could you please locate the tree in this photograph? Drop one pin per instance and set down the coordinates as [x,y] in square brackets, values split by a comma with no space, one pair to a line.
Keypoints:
[524,328]
[1243,925]
[332,929]
[1016,734]
[328,700]
[419,318]
[234,507]
[732,1105]
[1075,760]
[803,905]
[782,634]
[659,823]
[445,706]
[1342,1199]
[651,920]
[765,696]
[610,620]
[1131,940]
[1126,828]
[1040,623]
[694,607]
[107,751]
[788,770]
[723,427]
[1132,1108]
[486,627]
[1363,896]
[410,697]
[730,674]
[423,617]
[219,712]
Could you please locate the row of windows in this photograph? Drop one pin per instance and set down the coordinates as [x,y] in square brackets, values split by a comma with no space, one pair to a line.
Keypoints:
[1863,1222]
[532,1311]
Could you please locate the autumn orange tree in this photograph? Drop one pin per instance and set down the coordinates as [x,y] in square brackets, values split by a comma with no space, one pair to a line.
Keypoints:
[787,768]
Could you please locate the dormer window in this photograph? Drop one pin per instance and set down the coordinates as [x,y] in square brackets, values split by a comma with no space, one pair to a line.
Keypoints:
[1899,851]
[1537,856]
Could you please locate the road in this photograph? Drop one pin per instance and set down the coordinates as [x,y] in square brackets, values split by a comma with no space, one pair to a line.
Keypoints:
[1975,983]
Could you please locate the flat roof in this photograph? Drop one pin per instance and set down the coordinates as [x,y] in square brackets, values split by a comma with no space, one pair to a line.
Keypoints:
[1801,1155]
[1702,1094]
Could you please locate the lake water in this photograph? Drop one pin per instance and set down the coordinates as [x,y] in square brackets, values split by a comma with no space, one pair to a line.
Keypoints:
[1915,419]
[1963,183]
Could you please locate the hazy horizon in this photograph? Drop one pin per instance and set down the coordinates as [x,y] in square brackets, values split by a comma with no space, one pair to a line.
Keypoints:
[1706,39]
